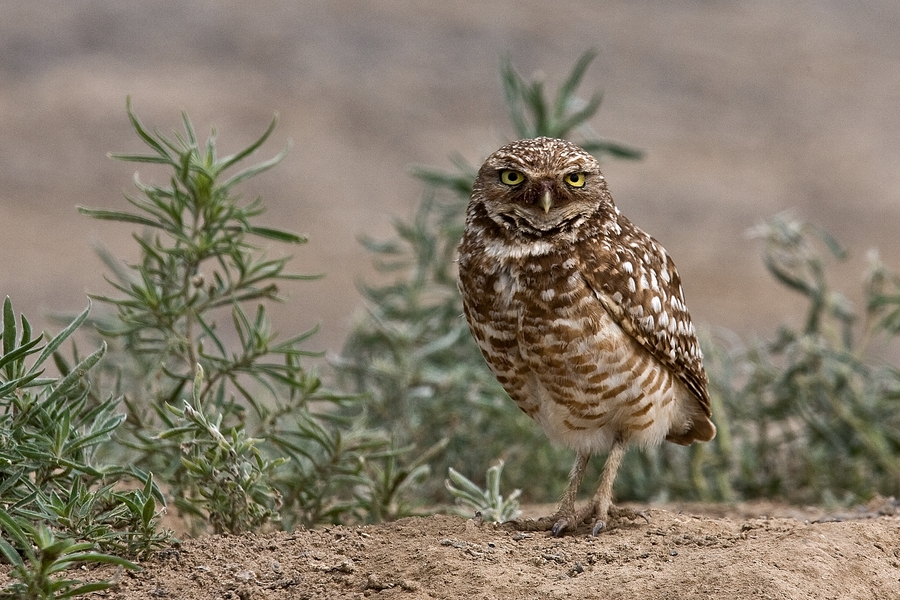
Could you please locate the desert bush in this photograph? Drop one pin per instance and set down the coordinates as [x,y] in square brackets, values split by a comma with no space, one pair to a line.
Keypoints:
[59,503]
[813,411]
[219,406]
[33,575]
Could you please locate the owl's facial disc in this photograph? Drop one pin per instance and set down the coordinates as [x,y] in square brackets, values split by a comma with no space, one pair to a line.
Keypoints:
[539,206]
[539,187]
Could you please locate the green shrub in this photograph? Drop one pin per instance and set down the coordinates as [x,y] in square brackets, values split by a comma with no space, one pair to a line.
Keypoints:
[807,416]
[53,487]
[45,556]
[812,412]
[219,406]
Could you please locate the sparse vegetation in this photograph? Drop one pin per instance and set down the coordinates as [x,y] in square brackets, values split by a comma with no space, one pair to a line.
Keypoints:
[811,414]
[218,404]
[488,503]
[51,479]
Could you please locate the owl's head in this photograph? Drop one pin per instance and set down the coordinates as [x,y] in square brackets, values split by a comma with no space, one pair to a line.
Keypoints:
[542,186]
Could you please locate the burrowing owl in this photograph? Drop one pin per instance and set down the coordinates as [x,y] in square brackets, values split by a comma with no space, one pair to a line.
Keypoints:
[580,316]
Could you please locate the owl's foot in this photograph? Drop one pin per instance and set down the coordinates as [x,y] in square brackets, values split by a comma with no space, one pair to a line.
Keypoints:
[564,522]
[595,513]
[557,523]
[613,515]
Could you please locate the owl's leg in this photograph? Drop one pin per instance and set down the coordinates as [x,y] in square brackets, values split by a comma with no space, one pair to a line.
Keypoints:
[565,516]
[601,507]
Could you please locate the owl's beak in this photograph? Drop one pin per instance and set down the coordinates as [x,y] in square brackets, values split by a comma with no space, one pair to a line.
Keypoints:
[546,201]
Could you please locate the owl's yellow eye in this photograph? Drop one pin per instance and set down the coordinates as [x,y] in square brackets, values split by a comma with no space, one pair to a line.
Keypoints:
[575,179]
[510,177]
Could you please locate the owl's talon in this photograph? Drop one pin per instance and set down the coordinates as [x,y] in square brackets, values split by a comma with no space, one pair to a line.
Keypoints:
[598,527]
[559,527]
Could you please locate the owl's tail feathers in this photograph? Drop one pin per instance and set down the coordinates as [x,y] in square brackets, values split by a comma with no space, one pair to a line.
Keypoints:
[701,429]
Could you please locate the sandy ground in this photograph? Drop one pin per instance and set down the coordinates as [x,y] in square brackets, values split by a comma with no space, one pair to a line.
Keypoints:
[754,552]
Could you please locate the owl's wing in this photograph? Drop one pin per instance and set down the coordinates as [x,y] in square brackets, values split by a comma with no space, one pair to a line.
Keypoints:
[635,280]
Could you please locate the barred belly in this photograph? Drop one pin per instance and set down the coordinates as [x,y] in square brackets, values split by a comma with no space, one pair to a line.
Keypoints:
[596,386]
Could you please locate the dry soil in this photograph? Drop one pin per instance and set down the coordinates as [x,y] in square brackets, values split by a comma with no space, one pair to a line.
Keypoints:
[748,551]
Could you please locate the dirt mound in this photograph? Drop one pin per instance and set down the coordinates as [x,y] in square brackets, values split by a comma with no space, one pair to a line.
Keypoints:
[678,555]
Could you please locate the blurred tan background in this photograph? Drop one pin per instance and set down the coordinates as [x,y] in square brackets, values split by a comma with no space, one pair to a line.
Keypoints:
[744,109]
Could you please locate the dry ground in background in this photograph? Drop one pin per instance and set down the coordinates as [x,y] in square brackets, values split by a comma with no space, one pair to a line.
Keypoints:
[694,552]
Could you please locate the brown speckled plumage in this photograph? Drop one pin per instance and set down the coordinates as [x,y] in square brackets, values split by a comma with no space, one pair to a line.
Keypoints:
[579,314]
